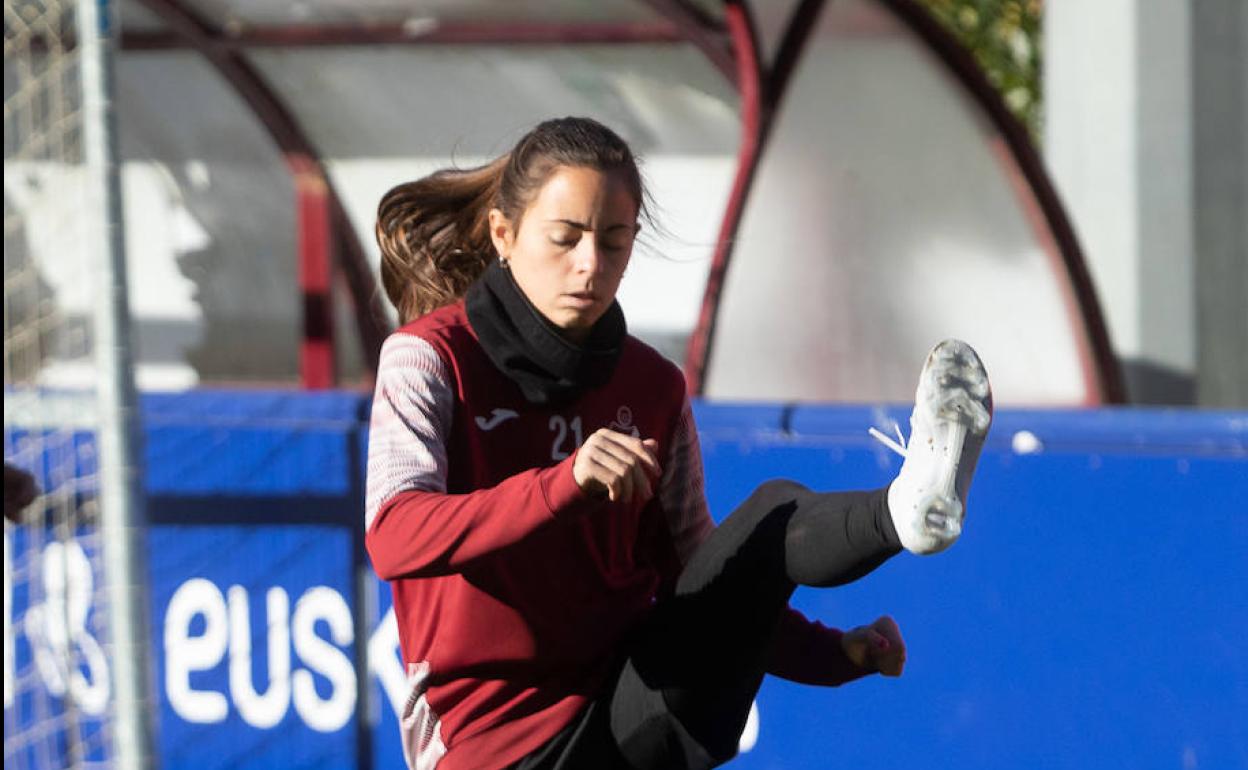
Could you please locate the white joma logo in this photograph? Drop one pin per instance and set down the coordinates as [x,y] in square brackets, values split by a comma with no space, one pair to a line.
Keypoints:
[497,417]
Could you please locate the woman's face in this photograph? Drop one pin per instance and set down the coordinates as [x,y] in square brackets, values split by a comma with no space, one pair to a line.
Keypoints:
[572,246]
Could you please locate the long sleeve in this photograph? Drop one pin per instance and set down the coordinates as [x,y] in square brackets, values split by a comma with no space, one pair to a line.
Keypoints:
[808,652]
[413,528]
[420,534]
[410,423]
[682,490]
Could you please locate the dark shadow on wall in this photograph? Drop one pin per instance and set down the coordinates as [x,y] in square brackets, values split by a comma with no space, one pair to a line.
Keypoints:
[224,172]
[1152,383]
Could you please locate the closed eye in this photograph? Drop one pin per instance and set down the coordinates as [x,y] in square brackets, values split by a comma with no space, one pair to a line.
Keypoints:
[616,242]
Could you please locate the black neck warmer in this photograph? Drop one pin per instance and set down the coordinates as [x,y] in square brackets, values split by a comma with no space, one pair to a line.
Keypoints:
[529,349]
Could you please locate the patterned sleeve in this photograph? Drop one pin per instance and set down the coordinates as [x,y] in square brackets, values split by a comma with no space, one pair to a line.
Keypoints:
[413,527]
[410,423]
[682,490]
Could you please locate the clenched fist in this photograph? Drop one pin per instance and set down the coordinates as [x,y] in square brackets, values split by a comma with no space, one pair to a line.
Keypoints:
[617,466]
[878,646]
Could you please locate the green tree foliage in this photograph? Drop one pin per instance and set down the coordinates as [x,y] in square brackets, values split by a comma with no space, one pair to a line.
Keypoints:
[1004,35]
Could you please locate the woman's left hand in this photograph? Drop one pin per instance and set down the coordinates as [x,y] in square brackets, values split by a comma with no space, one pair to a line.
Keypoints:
[878,646]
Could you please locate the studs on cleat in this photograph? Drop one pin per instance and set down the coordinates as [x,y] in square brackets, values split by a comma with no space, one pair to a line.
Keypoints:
[959,406]
[951,417]
[942,517]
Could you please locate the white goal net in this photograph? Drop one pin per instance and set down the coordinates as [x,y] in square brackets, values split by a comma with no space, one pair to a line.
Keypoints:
[56,669]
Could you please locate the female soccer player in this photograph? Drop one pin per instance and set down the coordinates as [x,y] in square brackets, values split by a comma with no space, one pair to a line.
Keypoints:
[535,493]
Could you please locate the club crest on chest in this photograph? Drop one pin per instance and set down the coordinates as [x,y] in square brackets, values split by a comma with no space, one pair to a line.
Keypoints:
[623,422]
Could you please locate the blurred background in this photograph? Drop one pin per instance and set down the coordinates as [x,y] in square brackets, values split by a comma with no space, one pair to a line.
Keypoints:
[192,319]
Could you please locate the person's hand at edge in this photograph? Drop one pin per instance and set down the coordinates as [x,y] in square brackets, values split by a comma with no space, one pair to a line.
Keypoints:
[20,491]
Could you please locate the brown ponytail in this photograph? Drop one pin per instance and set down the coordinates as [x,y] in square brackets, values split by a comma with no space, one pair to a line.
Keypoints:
[434,233]
[434,236]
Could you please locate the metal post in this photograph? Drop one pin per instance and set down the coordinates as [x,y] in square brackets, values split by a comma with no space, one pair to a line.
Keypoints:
[122,515]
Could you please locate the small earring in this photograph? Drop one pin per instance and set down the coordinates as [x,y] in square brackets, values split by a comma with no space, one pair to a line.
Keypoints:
[502,262]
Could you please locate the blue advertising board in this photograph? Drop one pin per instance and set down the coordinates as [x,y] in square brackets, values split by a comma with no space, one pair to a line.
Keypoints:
[1093,613]
[56,668]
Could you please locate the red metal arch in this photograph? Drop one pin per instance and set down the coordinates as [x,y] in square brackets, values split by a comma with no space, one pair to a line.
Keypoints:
[731,46]
[527,33]
[322,220]
[1105,379]
[759,103]
[761,88]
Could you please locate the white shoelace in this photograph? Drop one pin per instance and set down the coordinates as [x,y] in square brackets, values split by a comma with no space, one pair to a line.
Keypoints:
[898,446]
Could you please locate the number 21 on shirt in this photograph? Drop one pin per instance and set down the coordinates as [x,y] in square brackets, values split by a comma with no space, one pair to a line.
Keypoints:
[560,449]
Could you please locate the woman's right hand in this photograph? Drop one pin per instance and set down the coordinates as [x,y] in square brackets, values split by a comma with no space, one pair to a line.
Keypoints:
[617,466]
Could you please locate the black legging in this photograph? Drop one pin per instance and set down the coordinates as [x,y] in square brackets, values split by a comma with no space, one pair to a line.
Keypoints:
[695,665]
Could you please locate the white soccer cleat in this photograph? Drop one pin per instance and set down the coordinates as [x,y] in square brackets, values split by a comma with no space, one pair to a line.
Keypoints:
[952,412]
